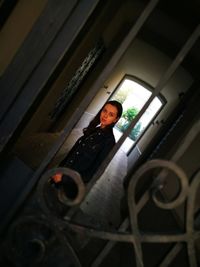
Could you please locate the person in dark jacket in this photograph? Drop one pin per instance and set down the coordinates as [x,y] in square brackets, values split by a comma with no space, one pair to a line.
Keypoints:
[98,139]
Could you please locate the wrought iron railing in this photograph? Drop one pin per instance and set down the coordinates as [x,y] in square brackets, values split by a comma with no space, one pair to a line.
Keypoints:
[45,230]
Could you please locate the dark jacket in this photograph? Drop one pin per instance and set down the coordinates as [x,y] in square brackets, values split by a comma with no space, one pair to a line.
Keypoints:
[89,151]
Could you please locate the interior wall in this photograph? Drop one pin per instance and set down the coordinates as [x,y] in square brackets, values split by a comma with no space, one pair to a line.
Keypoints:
[149,64]
[137,61]
[105,26]
[40,121]
[17,27]
[185,153]
[141,60]
[189,161]
[123,15]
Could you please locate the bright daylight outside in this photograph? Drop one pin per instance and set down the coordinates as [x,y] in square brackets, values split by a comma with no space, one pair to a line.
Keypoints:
[133,96]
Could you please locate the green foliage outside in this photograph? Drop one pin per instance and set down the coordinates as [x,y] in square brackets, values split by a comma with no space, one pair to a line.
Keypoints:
[125,121]
[130,114]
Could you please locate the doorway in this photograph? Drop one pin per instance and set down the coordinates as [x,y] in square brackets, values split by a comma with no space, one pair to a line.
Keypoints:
[133,94]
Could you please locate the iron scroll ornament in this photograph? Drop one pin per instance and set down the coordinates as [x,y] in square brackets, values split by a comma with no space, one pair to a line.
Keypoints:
[44,188]
[135,236]
[42,235]
[35,241]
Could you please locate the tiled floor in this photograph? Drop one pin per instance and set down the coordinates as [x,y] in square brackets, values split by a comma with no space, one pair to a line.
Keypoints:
[103,201]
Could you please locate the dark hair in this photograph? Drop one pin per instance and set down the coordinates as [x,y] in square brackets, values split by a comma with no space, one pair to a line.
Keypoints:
[96,121]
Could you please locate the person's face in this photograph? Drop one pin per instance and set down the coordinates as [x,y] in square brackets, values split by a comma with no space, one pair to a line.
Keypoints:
[108,115]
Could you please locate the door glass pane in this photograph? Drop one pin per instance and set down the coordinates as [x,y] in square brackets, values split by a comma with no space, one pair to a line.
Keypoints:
[133,96]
